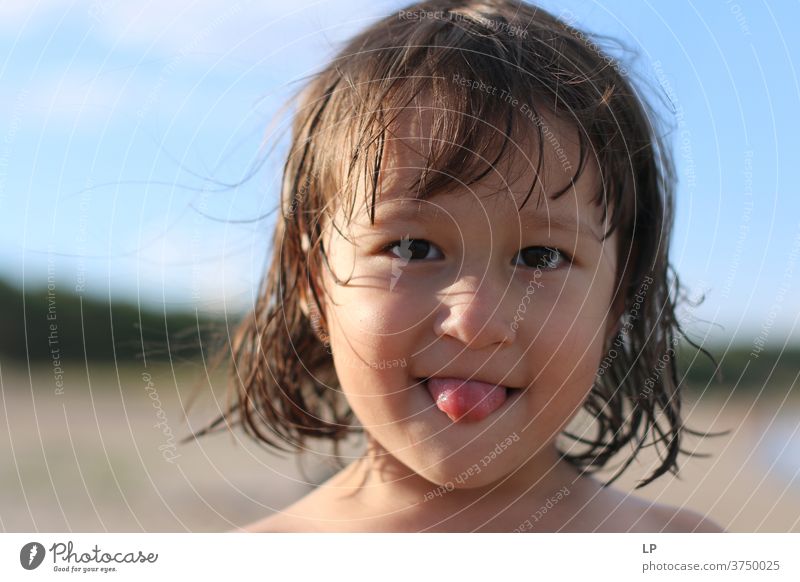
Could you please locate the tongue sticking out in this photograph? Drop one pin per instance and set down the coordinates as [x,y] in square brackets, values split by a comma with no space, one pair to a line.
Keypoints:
[466,401]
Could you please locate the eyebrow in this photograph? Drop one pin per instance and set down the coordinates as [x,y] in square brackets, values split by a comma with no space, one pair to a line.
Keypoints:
[418,211]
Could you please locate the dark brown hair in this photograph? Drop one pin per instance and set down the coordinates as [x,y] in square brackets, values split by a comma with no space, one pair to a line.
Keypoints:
[284,389]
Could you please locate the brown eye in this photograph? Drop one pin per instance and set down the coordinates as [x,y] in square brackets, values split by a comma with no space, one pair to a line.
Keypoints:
[543,258]
[410,248]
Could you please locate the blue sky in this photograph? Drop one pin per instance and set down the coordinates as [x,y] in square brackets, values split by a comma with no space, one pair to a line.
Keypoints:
[127,127]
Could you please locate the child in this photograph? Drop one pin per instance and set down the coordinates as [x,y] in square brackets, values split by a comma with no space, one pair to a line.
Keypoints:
[504,144]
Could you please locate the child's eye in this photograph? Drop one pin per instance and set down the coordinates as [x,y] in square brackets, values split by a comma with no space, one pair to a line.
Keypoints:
[544,257]
[407,249]
[549,258]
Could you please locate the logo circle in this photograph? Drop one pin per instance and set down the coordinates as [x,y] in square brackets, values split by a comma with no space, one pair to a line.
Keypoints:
[31,555]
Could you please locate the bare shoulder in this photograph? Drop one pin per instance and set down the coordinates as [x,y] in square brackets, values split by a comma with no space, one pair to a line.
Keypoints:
[628,512]
[670,519]
[323,509]
[308,514]
[278,522]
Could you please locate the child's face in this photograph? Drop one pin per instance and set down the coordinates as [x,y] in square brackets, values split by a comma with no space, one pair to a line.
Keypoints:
[463,298]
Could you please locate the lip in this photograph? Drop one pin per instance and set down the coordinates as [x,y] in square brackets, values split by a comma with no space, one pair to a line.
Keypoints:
[423,379]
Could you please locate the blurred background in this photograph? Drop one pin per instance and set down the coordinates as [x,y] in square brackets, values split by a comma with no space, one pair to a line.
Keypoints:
[138,192]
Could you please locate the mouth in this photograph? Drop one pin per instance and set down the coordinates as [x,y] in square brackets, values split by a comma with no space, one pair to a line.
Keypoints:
[465,401]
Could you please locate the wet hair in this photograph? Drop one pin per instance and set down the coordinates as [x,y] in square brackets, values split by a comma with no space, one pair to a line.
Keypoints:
[283,387]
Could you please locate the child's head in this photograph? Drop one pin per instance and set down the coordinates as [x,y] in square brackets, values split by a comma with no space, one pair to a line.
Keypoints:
[474,190]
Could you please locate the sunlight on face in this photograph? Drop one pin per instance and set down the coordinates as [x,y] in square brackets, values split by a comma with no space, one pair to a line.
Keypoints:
[463,285]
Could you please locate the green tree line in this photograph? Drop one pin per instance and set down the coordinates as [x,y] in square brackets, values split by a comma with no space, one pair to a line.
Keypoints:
[44,323]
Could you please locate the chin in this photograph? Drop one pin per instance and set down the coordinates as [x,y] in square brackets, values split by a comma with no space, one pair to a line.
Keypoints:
[463,470]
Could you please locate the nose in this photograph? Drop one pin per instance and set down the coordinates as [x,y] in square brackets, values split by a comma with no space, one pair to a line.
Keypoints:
[472,312]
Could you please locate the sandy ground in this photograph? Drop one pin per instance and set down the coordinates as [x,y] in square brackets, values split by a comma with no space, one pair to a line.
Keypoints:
[751,480]
[94,458]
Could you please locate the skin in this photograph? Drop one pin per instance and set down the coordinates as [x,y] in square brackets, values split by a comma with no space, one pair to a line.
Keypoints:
[451,312]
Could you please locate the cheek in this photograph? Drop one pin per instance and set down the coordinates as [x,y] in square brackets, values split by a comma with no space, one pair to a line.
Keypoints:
[370,345]
[566,346]
[569,348]
[373,323]
[572,317]
[372,331]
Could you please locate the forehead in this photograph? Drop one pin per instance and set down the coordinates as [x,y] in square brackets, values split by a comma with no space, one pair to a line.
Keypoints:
[520,180]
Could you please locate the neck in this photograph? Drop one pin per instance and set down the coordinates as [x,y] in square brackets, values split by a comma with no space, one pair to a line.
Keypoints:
[381,485]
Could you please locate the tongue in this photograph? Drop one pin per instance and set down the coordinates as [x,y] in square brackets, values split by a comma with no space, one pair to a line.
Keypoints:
[466,401]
